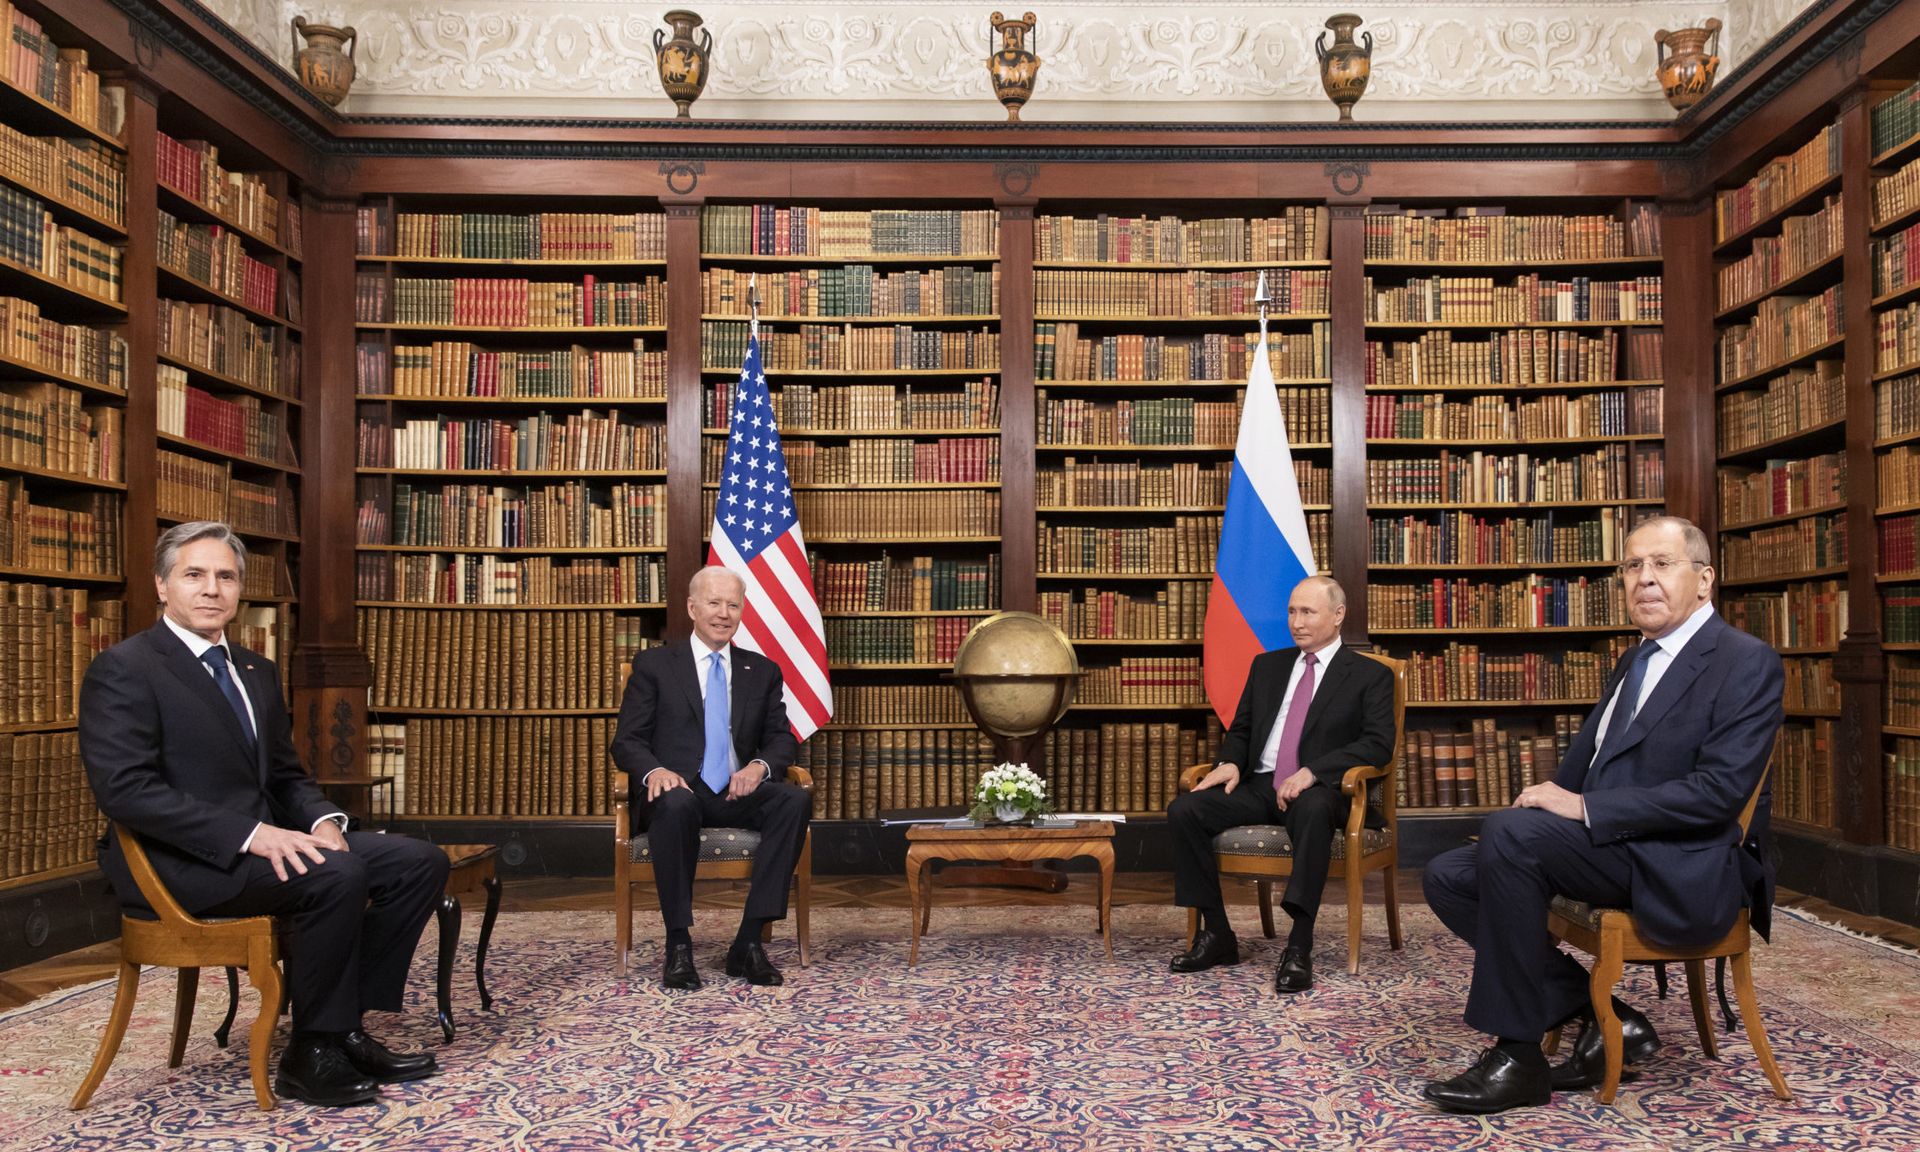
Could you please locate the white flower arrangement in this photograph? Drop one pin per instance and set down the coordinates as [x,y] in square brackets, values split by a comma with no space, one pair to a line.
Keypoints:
[1010,792]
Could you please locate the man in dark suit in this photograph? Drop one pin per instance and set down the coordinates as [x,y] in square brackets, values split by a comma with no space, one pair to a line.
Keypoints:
[703,735]
[1307,715]
[1641,814]
[187,742]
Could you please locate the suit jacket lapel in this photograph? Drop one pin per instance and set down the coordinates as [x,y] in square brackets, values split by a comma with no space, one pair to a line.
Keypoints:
[1330,676]
[687,675]
[188,669]
[1674,683]
[746,667]
[1267,706]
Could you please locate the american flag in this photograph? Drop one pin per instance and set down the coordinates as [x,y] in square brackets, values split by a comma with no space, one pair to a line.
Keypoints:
[756,532]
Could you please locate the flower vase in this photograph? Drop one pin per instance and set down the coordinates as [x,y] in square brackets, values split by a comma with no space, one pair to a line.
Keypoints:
[1346,67]
[682,60]
[1013,67]
[324,66]
[1009,813]
[1686,61]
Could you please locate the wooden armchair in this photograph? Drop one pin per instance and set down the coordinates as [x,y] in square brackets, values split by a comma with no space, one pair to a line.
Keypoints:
[176,940]
[1264,853]
[725,854]
[1610,936]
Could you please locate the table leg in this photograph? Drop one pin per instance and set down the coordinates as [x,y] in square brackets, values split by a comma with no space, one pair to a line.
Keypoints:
[492,885]
[1106,899]
[449,915]
[914,864]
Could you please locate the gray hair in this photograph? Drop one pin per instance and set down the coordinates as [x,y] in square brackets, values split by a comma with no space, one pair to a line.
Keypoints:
[1336,595]
[166,550]
[699,574]
[1699,549]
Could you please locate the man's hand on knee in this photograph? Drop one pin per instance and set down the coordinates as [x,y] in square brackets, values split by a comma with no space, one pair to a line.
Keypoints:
[284,848]
[1550,797]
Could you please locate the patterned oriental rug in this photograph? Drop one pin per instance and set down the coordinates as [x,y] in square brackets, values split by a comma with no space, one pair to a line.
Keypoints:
[1013,1033]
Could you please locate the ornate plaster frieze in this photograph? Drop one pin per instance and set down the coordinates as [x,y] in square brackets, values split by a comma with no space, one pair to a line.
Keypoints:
[1244,62]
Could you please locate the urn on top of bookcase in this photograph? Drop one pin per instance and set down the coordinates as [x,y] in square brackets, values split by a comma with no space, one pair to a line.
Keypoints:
[324,66]
[682,60]
[1013,67]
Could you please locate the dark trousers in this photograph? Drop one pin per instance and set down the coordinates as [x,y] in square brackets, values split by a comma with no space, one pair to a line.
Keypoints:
[352,924]
[1495,894]
[778,811]
[1197,817]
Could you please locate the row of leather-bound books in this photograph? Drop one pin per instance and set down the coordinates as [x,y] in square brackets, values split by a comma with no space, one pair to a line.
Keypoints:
[1298,232]
[1799,399]
[237,425]
[914,584]
[584,236]
[1779,182]
[80,534]
[1784,487]
[859,517]
[502,302]
[877,460]
[1784,327]
[1162,420]
[853,290]
[215,258]
[47,426]
[456,368]
[223,340]
[1610,472]
[1635,412]
[32,237]
[1129,483]
[1184,547]
[50,635]
[27,336]
[1811,686]
[539,660]
[571,515]
[1481,235]
[1801,775]
[1060,353]
[495,765]
[1802,547]
[47,815]
[1176,610]
[897,640]
[1166,295]
[192,168]
[1804,241]
[484,579]
[1902,790]
[1519,357]
[1807,613]
[1485,766]
[1124,766]
[579,441]
[772,230]
[1571,536]
[1531,299]
[850,347]
[1463,673]
[800,407]
[84,173]
[1533,601]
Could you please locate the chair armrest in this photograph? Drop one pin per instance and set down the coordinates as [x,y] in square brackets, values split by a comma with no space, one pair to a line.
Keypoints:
[800,776]
[1193,776]
[619,786]
[1354,784]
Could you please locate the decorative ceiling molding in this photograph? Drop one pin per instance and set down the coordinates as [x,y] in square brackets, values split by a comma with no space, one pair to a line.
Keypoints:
[917,60]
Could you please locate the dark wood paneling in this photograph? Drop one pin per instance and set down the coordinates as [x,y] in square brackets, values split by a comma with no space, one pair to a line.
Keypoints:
[1686,230]
[1017,466]
[140,283]
[685,411]
[1348,247]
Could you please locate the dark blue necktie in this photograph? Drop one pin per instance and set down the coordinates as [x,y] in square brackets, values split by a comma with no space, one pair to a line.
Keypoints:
[215,659]
[1626,704]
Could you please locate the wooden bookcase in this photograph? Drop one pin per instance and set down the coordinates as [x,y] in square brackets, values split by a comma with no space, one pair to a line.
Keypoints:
[510,404]
[1781,479]
[1145,325]
[881,337]
[1514,435]
[63,411]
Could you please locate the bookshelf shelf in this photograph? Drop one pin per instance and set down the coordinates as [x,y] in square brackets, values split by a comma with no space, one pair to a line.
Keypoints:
[901,727]
[1786,518]
[1753,581]
[207,376]
[376,711]
[185,207]
[893,486]
[505,330]
[1895,509]
[1498,506]
[1221,318]
[891,318]
[1895,730]
[916,538]
[67,872]
[1139,509]
[889,258]
[19,279]
[515,401]
[891,666]
[1164,385]
[1890,373]
[1895,441]
[857,433]
[1898,295]
[777,374]
[1189,448]
[1083,577]
[1760,374]
[1182,266]
[13,368]
[1815,275]
[67,211]
[1447,566]
[424,605]
[64,478]
[506,262]
[1896,222]
[249,533]
[1517,265]
[28,112]
[1896,577]
[1136,642]
[1521,442]
[1477,630]
[178,285]
[909,614]
[1430,812]
[212,453]
[1548,388]
[30,726]
[517,474]
[1818,650]
[1184,706]
[1738,241]
[1905,150]
[1813,713]
[1582,704]
[1441,325]
[1798,439]
[530,550]
[65,576]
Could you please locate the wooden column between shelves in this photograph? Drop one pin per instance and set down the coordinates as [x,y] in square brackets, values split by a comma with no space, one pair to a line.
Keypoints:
[686,402]
[140,289]
[1347,364]
[330,672]
[1860,667]
[1687,367]
[1017,517]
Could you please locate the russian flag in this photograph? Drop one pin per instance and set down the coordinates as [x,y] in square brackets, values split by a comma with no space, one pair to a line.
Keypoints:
[1264,546]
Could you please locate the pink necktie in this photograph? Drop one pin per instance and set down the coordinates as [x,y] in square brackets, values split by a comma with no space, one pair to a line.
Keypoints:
[1286,760]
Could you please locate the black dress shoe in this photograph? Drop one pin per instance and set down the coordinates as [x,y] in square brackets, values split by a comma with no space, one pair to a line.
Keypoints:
[1495,1083]
[750,960]
[316,1072]
[376,1060]
[1295,973]
[1586,1065]
[679,971]
[1209,949]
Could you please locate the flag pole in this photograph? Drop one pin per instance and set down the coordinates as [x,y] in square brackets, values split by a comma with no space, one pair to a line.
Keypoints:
[753,304]
[1261,298]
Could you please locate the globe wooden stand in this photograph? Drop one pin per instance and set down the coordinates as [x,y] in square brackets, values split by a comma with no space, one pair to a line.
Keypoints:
[1029,749]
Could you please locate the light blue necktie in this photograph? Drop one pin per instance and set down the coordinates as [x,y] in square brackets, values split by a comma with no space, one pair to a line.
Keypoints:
[716,767]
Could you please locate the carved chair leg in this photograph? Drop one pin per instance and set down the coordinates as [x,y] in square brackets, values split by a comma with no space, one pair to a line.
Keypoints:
[1606,974]
[183,1001]
[1391,876]
[1356,903]
[492,885]
[622,923]
[123,997]
[449,916]
[264,974]
[1697,994]
[1756,1028]
[803,902]
[1550,1043]
[1660,978]
[1265,888]
[223,1035]
[1193,926]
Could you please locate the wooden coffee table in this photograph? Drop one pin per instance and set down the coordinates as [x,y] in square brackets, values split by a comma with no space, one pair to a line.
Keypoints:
[1003,842]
